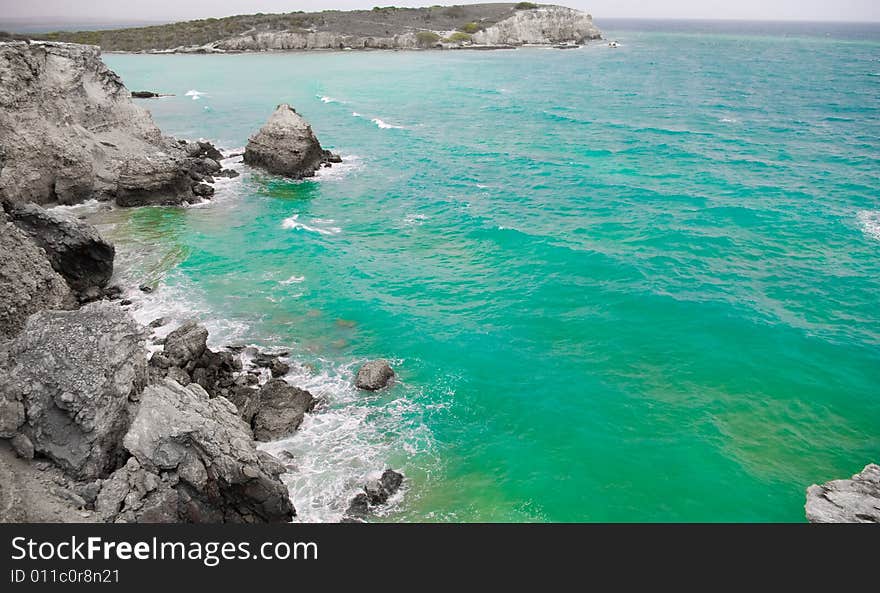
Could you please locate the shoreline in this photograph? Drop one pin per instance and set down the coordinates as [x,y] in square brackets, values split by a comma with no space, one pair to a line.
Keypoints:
[328,50]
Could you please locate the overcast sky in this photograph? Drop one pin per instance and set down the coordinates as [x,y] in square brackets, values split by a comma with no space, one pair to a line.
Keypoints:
[168,10]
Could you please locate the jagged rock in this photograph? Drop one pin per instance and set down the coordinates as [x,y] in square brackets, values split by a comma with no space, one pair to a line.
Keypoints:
[144,94]
[230,173]
[379,491]
[246,400]
[376,493]
[285,146]
[374,375]
[186,344]
[281,410]
[71,132]
[222,476]
[544,25]
[159,322]
[72,373]
[22,446]
[203,190]
[279,368]
[27,282]
[205,166]
[75,248]
[359,507]
[846,501]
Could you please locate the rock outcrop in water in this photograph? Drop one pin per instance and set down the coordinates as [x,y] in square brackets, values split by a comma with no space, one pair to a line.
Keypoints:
[846,501]
[287,146]
[69,132]
[374,375]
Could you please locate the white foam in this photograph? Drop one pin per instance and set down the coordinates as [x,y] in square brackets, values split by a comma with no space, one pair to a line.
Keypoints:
[294,223]
[415,219]
[293,280]
[338,170]
[383,125]
[355,114]
[196,95]
[326,99]
[344,443]
[870,221]
[729,120]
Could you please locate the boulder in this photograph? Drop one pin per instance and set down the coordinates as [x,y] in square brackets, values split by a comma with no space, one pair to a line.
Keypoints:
[186,344]
[72,374]
[281,410]
[144,94]
[27,281]
[846,501]
[286,146]
[376,493]
[379,491]
[222,477]
[75,248]
[374,375]
[203,190]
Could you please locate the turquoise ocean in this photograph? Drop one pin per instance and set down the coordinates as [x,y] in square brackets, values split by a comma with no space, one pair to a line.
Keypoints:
[631,284]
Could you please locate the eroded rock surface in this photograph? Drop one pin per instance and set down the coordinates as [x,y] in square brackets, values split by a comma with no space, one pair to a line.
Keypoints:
[28,283]
[222,476]
[67,381]
[846,501]
[75,248]
[286,146]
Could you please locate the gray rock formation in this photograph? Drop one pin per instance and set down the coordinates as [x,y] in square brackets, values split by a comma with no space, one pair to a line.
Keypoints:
[68,379]
[374,375]
[76,250]
[281,410]
[541,26]
[286,146]
[846,501]
[203,442]
[376,493]
[186,344]
[71,132]
[27,281]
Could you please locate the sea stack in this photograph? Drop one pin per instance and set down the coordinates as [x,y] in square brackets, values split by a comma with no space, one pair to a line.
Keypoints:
[287,146]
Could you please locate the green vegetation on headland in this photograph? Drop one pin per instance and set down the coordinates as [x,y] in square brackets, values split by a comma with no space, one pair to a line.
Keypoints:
[379,22]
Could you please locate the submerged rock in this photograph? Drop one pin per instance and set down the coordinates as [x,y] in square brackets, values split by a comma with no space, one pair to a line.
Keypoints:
[846,501]
[286,146]
[374,375]
[28,283]
[75,248]
[72,374]
[281,410]
[222,476]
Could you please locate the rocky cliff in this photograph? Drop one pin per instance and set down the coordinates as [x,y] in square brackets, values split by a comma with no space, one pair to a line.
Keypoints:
[545,25]
[70,132]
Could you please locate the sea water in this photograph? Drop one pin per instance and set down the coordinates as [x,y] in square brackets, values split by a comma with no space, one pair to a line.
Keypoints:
[617,284]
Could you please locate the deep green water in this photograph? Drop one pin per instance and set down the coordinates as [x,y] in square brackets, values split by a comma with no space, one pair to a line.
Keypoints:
[639,284]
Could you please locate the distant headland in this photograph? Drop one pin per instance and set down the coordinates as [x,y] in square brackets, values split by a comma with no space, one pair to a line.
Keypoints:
[475,26]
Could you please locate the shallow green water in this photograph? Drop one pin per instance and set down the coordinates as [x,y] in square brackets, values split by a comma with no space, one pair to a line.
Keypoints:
[639,284]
